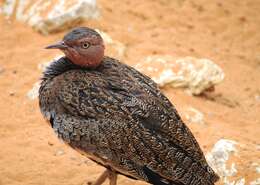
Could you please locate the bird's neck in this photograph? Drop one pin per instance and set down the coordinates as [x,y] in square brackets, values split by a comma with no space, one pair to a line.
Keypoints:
[87,62]
[58,67]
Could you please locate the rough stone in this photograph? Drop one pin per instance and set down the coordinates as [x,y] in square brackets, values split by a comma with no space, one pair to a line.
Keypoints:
[241,181]
[11,93]
[194,116]
[219,155]
[59,152]
[50,16]
[257,169]
[257,98]
[218,158]
[256,166]
[197,75]
[256,182]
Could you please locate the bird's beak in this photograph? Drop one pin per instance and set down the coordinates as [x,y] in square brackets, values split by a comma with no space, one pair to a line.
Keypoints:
[58,45]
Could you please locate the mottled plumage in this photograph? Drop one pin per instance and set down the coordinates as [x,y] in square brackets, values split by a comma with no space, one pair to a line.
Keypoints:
[118,117]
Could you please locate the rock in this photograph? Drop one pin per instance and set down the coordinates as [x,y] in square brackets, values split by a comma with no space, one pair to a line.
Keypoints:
[194,116]
[239,182]
[11,93]
[198,75]
[219,155]
[218,158]
[257,98]
[50,143]
[256,182]
[50,16]
[257,169]
[33,93]
[256,166]
[59,152]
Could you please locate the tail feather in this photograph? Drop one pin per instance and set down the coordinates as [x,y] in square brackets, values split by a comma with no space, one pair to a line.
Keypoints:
[156,179]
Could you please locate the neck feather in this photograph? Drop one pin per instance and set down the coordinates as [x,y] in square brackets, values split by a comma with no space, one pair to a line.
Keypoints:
[58,67]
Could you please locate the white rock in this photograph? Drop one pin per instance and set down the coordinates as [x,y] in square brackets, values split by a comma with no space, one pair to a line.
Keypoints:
[218,157]
[257,97]
[34,92]
[197,75]
[194,116]
[240,182]
[8,7]
[48,16]
[59,152]
[257,169]
[256,166]
[256,182]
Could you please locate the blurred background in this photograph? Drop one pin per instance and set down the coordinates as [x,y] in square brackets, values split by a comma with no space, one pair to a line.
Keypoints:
[205,56]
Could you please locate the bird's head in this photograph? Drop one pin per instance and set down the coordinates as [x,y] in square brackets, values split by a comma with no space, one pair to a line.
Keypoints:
[83,46]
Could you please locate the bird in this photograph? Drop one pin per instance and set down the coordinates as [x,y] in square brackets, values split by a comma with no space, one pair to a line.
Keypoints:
[118,117]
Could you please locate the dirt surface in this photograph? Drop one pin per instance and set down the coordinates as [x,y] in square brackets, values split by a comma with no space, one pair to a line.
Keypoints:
[226,32]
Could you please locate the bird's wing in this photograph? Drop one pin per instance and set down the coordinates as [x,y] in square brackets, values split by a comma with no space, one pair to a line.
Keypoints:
[169,124]
[141,134]
[168,120]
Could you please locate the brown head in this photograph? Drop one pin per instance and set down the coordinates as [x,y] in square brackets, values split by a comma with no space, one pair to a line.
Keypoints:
[83,46]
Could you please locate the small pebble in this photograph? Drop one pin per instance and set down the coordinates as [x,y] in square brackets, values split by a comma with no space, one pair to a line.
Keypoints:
[256,182]
[1,70]
[257,169]
[11,93]
[59,153]
[257,98]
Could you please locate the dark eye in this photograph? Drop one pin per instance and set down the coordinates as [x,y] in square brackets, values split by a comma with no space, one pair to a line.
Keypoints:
[85,45]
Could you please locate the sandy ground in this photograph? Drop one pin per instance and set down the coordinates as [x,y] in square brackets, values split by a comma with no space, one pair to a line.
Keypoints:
[226,32]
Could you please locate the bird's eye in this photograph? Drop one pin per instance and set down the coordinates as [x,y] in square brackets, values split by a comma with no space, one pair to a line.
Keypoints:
[85,45]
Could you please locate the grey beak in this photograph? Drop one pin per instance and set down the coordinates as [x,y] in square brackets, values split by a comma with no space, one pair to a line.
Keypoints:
[58,45]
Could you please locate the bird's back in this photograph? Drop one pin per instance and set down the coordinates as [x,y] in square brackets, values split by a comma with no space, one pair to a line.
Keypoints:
[120,119]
